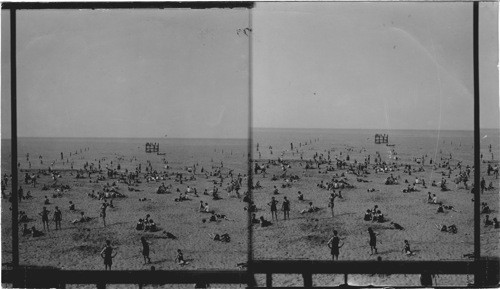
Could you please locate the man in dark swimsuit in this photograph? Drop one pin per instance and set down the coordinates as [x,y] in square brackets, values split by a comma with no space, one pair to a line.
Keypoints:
[274,208]
[57,218]
[45,218]
[286,209]
[373,241]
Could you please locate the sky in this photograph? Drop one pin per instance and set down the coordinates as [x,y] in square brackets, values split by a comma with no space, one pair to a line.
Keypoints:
[185,73]
[379,65]
[129,73]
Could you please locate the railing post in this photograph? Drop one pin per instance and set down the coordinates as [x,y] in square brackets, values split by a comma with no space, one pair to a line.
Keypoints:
[269,280]
[307,280]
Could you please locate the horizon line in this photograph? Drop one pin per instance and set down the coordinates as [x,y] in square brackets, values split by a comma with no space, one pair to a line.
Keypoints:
[244,138]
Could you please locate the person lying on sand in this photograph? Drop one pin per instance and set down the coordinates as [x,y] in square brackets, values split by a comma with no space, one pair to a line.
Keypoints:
[451,229]
[82,219]
[396,226]
[169,235]
[311,209]
[36,233]
[264,223]
[223,238]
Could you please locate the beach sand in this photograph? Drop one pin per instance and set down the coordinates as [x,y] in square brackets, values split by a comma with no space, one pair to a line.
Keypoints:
[304,236]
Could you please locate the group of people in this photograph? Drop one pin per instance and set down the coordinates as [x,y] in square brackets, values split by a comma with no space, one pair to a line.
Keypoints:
[374,215]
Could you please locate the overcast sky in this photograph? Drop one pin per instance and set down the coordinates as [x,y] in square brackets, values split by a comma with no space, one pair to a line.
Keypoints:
[372,65]
[130,73]
[184,73]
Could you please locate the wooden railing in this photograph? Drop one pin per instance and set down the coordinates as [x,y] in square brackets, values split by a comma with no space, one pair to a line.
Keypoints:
[486,272]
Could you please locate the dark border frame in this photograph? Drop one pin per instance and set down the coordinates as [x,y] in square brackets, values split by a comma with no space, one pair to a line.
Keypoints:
[485,271]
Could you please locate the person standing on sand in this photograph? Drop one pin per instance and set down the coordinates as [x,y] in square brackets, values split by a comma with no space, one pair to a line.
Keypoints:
[331,202]
[45,218]
[274,208]
[103,213]
[373,241]
[145,250]
[333,244]
[286,209]
[57,218]
[107,255]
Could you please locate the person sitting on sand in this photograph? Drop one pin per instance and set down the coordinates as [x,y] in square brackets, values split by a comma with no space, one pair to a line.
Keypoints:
[264,222]
[495,222]
[487,221]
[396,226]
[213,218]
[254,219]
[202,207]
[207,208]
[434,199]
[368,215]
[452,229]
[300,196]
[440,208]
[71,206]
[429,197]
[46,201]
[407,249]
[179,259]
[152,226]
[380,217]
[26,231]
[485,208]
[139,225]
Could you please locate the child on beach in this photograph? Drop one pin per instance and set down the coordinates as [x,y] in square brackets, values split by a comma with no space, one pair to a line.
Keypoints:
[487,221]
[107,255]
[179,259]
[407,249]
[373,241]
[333,244]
